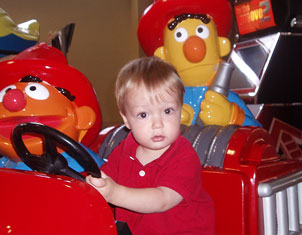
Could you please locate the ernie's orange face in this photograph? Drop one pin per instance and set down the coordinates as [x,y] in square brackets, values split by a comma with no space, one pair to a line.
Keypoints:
[38,101]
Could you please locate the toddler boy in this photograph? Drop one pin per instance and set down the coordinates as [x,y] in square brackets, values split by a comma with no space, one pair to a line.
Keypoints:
[154,176]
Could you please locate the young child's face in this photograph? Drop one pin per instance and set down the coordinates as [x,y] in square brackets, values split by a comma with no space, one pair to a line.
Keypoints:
[155,122]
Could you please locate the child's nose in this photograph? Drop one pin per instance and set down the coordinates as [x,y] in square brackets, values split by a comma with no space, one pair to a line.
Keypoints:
[14,100]
[157,122]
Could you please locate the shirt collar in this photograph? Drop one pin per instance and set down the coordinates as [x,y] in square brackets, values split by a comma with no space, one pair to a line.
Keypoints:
[131,146]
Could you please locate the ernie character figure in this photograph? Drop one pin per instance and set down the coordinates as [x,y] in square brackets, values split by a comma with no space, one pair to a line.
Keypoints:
[192,35]
[38,85]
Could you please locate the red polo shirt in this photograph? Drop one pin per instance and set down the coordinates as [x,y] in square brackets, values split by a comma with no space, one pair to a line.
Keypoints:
[178,169]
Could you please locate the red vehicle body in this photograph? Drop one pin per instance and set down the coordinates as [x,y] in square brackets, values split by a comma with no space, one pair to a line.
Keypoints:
[39,203]
[250,163]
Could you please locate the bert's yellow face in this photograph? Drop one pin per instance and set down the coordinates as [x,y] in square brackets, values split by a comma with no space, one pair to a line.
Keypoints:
[194,48]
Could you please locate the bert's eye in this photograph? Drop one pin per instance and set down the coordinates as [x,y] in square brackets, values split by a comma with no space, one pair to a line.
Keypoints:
[202,31]
[142,115]
[169,111]
[4,90]
[180,34]
[36,91]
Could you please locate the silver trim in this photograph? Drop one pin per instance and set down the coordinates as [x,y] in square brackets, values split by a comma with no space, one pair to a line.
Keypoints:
[282,205]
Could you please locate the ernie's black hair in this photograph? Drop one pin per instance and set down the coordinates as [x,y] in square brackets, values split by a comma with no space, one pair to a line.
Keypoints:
[177,19]
[30,78]
[66,93]
[63,91]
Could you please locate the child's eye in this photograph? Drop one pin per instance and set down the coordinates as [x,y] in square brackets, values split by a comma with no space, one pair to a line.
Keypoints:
[142,115]
[169,111]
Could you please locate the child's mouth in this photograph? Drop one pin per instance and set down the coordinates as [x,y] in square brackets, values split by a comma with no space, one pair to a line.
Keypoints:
[158,138]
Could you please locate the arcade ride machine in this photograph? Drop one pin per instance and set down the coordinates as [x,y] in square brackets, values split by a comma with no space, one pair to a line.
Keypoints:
[267,75]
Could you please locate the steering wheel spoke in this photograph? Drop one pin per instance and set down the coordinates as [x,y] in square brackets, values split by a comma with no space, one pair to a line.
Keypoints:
[51,161]
[50,150]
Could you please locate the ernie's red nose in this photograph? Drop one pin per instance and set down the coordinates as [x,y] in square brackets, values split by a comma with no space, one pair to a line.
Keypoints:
[14,100]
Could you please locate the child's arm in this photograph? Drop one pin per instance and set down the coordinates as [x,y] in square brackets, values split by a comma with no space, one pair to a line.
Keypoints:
[142,200]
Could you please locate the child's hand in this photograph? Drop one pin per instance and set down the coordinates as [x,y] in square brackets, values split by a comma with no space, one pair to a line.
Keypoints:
[105,185]
[142,200]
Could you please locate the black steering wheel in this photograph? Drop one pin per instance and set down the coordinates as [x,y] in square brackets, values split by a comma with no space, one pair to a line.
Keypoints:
[51,161]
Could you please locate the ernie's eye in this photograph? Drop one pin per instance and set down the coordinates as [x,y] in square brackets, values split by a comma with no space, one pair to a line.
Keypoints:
[4,90]
[142,115]
[36,91]
[202,31]
[180,34]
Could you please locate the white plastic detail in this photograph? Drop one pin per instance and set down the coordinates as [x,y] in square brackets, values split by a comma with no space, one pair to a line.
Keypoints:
[142,173]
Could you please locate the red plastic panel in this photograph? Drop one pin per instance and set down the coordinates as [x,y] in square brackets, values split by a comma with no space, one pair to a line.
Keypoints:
[36,203]
[250,159]
[227,189]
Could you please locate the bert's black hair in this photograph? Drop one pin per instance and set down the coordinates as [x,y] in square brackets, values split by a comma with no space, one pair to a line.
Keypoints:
[203,17]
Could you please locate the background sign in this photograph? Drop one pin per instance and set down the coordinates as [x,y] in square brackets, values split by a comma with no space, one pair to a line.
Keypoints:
[254,15]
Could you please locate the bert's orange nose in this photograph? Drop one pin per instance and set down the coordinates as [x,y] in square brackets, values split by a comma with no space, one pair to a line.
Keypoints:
[194,49]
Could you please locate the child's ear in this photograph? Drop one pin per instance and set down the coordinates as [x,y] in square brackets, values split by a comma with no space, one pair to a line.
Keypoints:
[125,121]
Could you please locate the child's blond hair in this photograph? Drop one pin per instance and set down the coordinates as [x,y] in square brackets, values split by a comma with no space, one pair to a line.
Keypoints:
[153,73]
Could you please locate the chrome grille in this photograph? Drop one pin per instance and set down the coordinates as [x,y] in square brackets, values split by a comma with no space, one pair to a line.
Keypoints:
[282,205]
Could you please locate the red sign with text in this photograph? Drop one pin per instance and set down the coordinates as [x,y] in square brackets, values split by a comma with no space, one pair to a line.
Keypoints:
[254,15]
